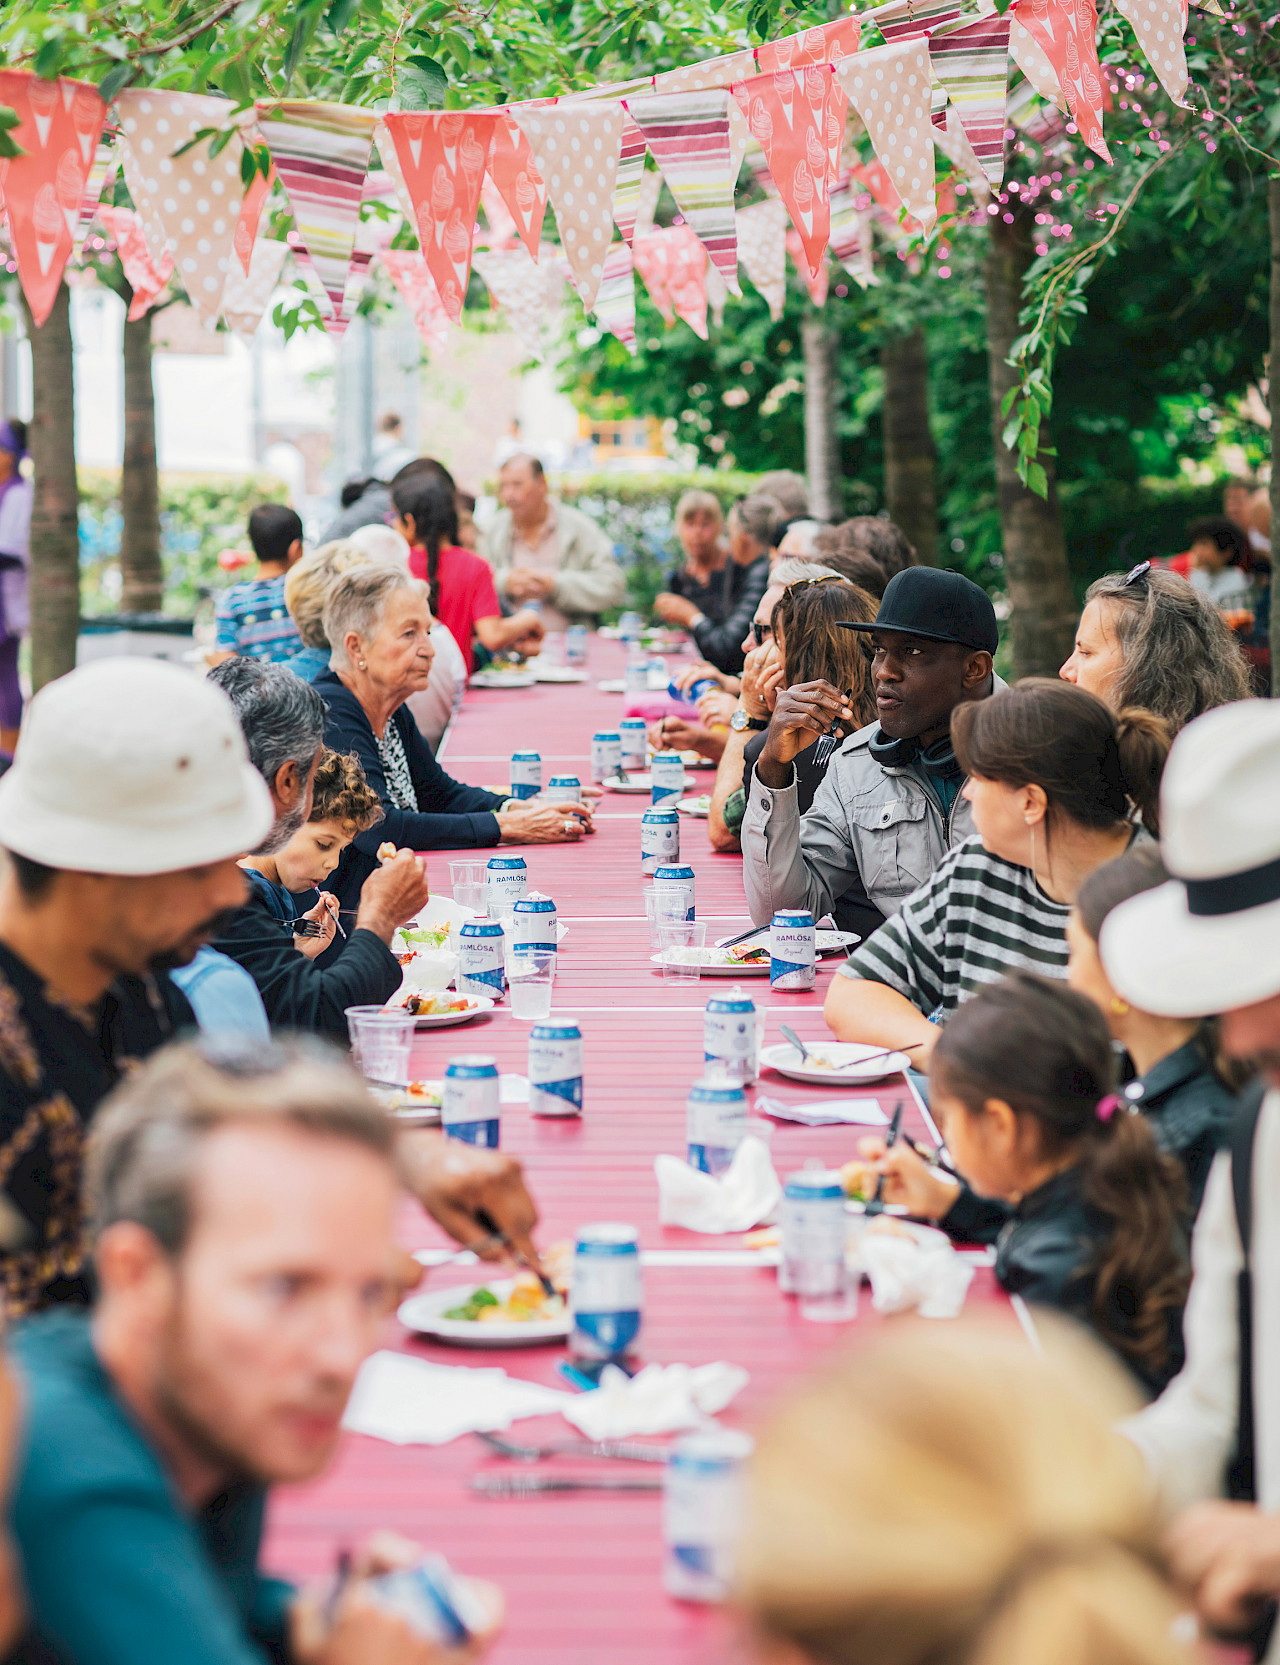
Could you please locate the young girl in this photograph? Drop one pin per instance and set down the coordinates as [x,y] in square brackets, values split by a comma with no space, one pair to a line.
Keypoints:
[342,805]
[1088,1208]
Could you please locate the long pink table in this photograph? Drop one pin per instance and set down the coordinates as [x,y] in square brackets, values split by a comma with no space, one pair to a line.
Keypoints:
[581,1573]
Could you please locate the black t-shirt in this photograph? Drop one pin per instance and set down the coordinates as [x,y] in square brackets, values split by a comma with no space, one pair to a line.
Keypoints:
[57,1063]
[716,597]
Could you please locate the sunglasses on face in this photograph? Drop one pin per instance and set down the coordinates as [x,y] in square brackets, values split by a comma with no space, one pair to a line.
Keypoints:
[760,631]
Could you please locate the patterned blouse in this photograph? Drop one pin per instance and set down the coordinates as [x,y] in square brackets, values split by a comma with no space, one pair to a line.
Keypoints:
[399,781]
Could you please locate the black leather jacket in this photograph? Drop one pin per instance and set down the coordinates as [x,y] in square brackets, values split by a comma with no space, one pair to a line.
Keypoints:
[1189,1110]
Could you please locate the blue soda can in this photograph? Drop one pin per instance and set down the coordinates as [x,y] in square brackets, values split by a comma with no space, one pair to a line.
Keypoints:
[729,1035]
[480,958]
[813,1231]
[671,878]
[634,735]
[629,626]
[506,879]
[564,789]
[716,1124]
[694,692]
[792,949]
[635,679]
[606,756]
[469,1101]
[702,1510]
[534,925]
[575,645]
[659,839]
[667,775]
[606,1296]
[555,1069]
[526,774]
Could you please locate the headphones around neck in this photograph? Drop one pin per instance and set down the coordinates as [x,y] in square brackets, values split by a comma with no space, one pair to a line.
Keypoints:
[937,759]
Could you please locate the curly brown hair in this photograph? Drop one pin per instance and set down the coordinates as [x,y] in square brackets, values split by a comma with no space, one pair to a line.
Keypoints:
[341,793]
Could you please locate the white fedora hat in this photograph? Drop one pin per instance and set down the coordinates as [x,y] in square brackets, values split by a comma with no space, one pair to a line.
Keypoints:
[132,766]
[1209,940]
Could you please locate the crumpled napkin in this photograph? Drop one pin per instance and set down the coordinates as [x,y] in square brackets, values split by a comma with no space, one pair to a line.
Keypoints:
[858,1112]
[660,1399]
[746,1196]
[905,1273]
[410,1402]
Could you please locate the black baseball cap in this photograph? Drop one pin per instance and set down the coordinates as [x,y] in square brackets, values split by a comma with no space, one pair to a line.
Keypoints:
[941,606]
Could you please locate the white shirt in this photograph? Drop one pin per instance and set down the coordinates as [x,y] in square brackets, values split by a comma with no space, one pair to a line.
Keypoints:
[1228,588]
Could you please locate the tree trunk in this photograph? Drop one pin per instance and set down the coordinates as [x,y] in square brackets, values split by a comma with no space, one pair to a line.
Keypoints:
[55,538]
[821,438]
[1043,607]
[910,456]
[140,567]
[1273,398]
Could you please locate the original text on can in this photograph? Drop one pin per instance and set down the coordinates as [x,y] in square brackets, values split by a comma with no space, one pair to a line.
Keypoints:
[792,949]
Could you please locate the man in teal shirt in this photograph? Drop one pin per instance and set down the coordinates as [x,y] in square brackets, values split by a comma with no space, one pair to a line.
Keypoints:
[241,1203]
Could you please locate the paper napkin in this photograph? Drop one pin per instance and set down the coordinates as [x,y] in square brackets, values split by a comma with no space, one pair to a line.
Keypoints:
[410,1402]
[904,1273]
[746,1196]
[660,1399]
[859,1112]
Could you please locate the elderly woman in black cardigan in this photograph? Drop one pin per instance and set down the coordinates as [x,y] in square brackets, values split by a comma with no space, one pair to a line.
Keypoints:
[378,624]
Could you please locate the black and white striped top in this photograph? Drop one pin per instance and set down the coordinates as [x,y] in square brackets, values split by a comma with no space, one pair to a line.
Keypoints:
[977,919]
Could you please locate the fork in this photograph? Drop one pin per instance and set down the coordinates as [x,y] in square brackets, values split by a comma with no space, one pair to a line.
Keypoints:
[303,927]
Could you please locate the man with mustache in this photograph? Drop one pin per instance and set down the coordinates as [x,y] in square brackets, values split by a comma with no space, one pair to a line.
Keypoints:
[129,801]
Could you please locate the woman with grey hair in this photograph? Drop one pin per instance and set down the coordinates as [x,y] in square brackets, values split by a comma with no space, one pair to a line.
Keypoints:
[1151,639]
[753,525]
[378,626]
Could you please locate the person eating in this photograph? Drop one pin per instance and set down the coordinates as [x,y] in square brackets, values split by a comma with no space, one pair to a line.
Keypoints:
[890,806]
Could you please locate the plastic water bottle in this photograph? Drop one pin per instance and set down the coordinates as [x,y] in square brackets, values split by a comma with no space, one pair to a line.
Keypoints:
[702,1513]
[716,1124]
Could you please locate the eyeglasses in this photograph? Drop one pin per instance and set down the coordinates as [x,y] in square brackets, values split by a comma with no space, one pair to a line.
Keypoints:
[760,631]
[1134,573]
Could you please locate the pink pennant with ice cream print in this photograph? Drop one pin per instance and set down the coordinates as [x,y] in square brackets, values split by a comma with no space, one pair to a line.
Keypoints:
[1066,30]
[59,125]
[255,198]
[576,149]
[817,283]
[1159,26]
[762,249]
[146,277]
[443,155]
[673,264]
[889,88]
[188,199]
[408,271]
[826,43]
[245,295]
[515,173]
[790,127]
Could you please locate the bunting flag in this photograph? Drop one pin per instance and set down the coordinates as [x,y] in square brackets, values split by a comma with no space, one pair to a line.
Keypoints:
[762,248]
[647,205]
[336,325]
[889,88]
[524,291]
[971,60]
[952,140]
[1066,30]
[144,276]
[576,149]
[673,264]
[1031,60]
[878,185]
[501,227]
[443,155]
[101,169]
[189,202]
[409,272]
[321,152]
[716,72]
[615,308]
[515,173]
[245,295]
[826,43]
[391,167]
[626,191]
[59,125]
[900,19]
[255,197]
[1159,26]
[783,122]
[717,294]
[817,282]
[850,235]
[688,134]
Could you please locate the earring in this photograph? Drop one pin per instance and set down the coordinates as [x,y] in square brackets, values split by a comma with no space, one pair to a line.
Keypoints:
[363,666]
[1032,830]
[1118,1007]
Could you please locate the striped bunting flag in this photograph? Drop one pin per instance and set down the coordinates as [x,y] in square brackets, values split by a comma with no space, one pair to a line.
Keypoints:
[321,153]
[716,72]
[442,156]
[851,234]
[762,249]
[901,18]
[615,308]
[971,60]
[688,134]
[101,169]
[647,206]
[889,88]
[626,191]
[1067,31]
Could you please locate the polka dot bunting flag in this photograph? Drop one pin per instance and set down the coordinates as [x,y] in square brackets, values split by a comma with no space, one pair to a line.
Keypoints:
[189,204]
[576,150]
[889,88]
[1159,26]
[526,292]
[58,129]
[762,249]
[1030,59]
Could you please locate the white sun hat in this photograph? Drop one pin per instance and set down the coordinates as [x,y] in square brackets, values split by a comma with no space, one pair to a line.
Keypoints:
[1209,940]
[132,766]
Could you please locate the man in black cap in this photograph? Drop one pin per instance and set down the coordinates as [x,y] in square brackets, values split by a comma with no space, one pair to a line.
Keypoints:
[890,806]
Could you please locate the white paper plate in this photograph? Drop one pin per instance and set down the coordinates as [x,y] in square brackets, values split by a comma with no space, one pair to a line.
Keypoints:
[503,679]
[409,1109]
[476,1005]
[719,968]
[424,1315]
[612,685]
[634,784]
[557,673]
[699,808]
[786,1061]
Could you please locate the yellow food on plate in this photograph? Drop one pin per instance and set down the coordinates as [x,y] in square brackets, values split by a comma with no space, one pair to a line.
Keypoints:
[435,1005]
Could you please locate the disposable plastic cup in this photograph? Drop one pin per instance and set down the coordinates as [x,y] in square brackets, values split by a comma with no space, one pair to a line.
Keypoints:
[532,975]
[381,1042]
[681,942]
[662,908]
[467,879]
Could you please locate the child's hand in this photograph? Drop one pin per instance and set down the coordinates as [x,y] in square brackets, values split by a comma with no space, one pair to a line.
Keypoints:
[323,913]
[908,1179]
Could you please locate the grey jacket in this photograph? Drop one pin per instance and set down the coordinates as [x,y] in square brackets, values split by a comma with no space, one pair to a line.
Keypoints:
[589,578]
[867,819]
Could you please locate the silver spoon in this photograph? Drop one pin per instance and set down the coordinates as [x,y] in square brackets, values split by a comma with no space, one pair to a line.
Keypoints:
[796,1042]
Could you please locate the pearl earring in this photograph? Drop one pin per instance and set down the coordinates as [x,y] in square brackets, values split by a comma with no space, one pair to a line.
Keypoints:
[363,666]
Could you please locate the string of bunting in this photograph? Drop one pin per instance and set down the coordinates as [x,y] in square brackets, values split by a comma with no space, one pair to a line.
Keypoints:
[792,108]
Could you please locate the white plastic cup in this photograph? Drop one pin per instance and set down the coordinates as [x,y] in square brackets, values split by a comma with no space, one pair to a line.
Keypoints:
[381,1041]
[531,977]
[681,942]
[467,879]
[662,907]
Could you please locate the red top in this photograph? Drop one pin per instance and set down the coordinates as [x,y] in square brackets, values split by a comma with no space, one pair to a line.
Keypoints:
[466,592]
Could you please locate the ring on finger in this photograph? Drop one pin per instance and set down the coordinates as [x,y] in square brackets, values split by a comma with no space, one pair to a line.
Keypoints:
[569,825]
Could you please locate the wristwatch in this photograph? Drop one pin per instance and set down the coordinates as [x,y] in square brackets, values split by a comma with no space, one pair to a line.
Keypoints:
[741,721]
